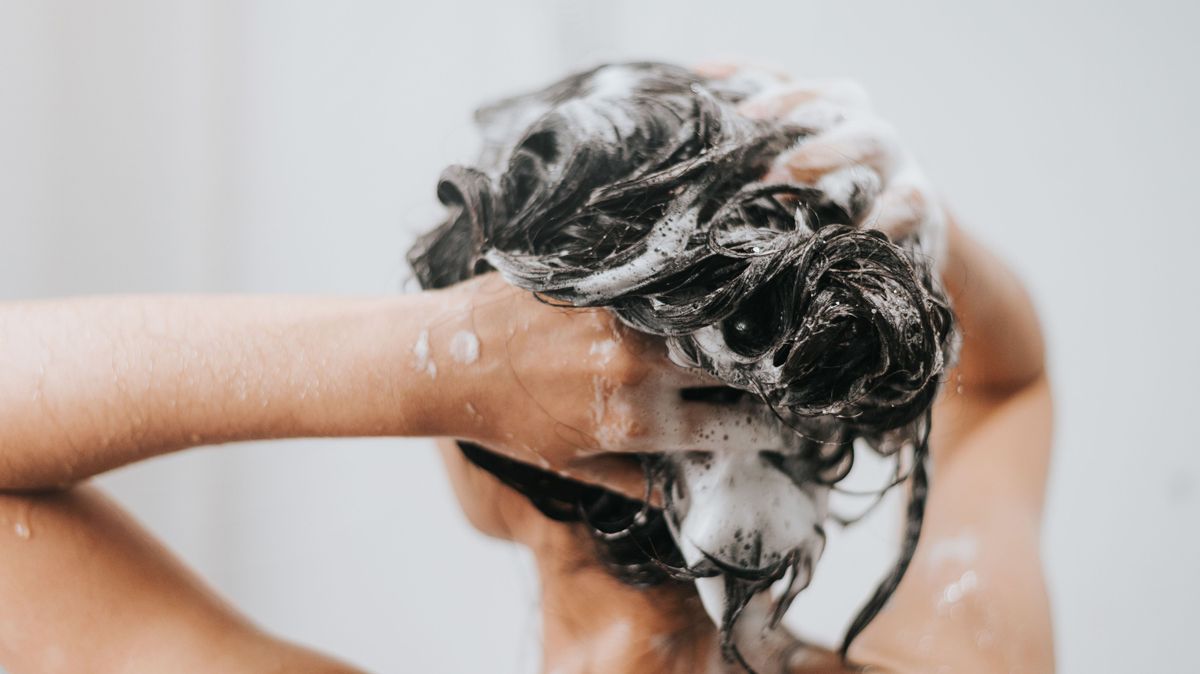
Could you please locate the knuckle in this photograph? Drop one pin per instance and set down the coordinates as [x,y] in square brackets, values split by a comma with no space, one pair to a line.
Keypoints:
[818,115]
[811,160]
[854,188]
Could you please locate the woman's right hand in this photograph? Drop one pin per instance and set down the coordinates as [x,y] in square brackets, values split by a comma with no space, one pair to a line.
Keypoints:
[557,386]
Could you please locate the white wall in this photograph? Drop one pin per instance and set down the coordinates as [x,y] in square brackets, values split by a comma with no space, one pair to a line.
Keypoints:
[293,147]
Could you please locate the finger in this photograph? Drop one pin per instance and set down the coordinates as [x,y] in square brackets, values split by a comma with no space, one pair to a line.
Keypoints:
[721,69]
[674,370]
[715,70]
[900,210]
[649,348]
[780,101]
[711,427]
[908,209]
[621,473]
[865,141]
[816,117]
[675,378]
[852,188]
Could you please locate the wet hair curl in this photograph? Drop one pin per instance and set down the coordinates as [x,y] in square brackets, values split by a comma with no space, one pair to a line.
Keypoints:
[638,187]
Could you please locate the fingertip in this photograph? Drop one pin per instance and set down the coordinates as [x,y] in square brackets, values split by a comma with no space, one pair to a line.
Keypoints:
[716,70]
[775,103]
[900,211]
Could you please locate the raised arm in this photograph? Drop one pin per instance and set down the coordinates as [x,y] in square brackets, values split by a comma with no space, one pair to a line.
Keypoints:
[1003,348]
[91,384]
[973,598]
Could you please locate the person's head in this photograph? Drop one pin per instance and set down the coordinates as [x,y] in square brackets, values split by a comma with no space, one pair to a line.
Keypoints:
[638,188]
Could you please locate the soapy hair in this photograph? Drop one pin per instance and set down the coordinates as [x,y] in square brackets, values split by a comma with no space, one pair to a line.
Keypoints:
[638,188]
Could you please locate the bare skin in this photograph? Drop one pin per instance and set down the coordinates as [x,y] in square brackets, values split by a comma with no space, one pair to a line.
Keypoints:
[982,610]
[990,457]
[90,385]
[85,589]
[93,384]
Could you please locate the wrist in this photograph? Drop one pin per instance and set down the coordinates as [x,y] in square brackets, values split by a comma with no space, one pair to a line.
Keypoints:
[345,368]
[436,370]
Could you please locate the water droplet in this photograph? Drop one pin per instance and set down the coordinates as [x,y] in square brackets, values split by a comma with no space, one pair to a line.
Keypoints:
[22,530]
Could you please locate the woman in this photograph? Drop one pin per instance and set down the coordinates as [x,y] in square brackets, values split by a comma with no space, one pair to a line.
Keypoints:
[101,383]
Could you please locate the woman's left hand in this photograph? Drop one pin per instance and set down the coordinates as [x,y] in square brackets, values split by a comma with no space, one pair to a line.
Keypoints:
[851,153]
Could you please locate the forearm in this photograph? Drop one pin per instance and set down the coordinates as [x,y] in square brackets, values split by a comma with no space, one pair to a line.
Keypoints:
[1002,348]
[91,384]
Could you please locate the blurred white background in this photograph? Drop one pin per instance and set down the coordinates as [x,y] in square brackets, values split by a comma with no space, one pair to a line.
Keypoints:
[272,146]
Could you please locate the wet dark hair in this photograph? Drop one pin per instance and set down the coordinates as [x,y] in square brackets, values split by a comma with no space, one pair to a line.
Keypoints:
[638,188]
